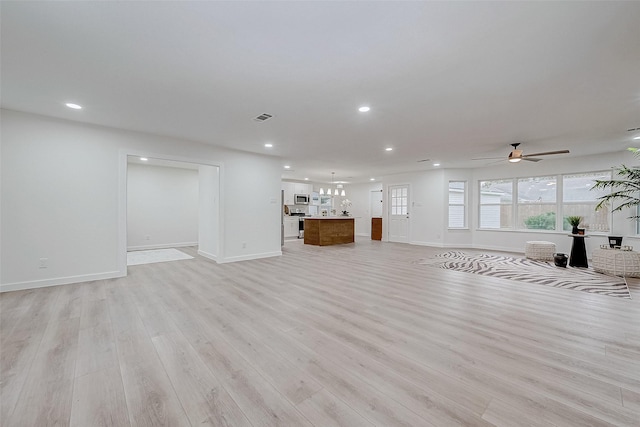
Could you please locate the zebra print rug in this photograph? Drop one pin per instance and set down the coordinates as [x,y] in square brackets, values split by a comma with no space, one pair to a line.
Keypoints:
[531,271]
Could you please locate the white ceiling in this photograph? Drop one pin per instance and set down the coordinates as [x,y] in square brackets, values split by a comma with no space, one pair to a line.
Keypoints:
[447,81]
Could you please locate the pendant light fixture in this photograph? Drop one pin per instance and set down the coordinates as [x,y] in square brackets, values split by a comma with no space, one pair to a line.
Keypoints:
[339,190]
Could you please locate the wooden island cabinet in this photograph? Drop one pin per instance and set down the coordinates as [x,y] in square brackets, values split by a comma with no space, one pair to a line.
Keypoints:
[325,231]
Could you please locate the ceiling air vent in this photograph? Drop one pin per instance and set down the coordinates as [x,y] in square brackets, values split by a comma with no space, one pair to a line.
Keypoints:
[263,117]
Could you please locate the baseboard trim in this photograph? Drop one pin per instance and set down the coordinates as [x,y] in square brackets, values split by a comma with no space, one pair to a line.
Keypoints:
[164,246]
[451,245]
[432,244]
[498,248]
[208,255]
[19,286]
[250,257]
[464,246]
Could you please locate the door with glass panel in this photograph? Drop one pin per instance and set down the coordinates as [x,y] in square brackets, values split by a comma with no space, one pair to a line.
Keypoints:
[399,213]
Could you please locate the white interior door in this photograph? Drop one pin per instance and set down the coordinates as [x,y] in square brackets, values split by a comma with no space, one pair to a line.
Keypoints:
[399,213]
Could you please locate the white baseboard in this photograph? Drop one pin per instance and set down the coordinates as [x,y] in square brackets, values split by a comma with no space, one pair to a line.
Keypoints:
[464,246]
[433,244]
[208,255]
[498,248]
[249,257]
[163,246]
[363,234]
[19,286]
[451,245]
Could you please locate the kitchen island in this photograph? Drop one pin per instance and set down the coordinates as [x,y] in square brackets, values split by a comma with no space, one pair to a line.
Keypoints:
[329,230]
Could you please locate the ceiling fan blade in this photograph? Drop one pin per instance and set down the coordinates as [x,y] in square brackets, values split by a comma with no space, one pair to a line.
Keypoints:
[488,158]
[530,159]
[547,153]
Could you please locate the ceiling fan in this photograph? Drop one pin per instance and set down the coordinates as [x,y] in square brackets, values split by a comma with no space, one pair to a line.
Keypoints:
[516,155]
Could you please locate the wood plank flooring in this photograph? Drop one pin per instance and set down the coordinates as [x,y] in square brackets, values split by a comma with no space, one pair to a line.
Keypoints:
[348,335]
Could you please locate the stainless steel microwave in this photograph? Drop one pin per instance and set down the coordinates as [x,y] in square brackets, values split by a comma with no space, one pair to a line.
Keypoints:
[301,199]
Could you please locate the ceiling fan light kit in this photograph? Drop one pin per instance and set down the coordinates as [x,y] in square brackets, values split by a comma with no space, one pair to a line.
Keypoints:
[516,155]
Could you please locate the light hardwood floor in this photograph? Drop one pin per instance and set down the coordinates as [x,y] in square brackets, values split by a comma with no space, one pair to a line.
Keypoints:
[349,335]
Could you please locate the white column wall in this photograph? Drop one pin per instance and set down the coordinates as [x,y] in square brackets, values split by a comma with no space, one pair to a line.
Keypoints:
[208,208]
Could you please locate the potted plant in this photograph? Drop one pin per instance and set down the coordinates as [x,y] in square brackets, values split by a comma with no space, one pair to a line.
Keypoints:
[574,221]
[624,188]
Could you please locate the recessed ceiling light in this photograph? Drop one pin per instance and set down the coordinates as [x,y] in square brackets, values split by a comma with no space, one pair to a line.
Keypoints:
[306,179]
[372,179]
[74,106]
[388,149]
[436,164]
[268,145]
[287,167]
[364,109]
[144,159]
[637,137]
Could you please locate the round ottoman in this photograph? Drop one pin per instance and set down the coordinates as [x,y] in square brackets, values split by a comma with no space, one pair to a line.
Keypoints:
[539,250]
[616,262]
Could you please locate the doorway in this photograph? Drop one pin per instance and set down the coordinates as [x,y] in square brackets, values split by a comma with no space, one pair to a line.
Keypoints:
[399,213]
[161,214]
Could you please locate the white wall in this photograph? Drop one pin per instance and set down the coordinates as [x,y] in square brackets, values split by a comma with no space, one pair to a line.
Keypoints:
[162,207]
[64,198]
[208,208]
[359,195]
[429,210]
[515,240]
[426,217]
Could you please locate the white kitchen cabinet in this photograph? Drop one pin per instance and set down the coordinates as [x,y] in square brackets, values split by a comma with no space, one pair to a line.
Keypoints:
[292,188]
[289,190]
[291,227]
[303,188]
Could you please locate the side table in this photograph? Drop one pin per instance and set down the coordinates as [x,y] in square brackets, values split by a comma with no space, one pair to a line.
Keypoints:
[578,257]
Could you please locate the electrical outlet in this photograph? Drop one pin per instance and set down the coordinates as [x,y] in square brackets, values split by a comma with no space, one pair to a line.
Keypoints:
[147,237]
[43,263]
[244,245]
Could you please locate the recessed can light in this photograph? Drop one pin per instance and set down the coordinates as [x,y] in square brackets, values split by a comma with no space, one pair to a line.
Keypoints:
[287,167]
[372,179]
[306,179]
[144,159]
[74,106]
[388,149]
[268,145]
[364,109]
[436,164]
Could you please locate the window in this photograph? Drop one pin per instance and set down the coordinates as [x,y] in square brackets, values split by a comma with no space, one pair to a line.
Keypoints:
[496,204]
[399,201]
[537,203]
[543,203]
[457,204]
[579,200]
